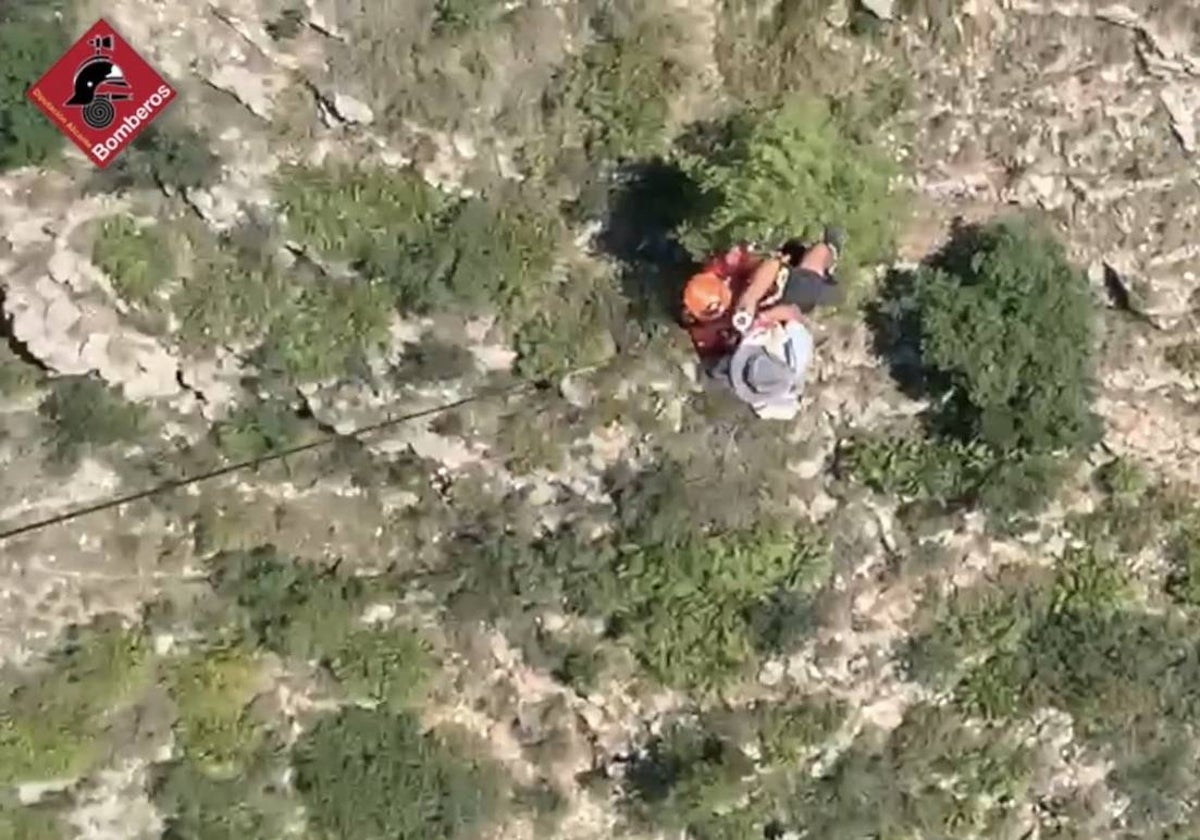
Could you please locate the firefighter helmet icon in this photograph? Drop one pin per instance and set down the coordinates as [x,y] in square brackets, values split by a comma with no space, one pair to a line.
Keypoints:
[98,83]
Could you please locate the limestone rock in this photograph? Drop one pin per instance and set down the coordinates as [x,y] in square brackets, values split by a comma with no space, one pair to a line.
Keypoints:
[352,110]
[882,9]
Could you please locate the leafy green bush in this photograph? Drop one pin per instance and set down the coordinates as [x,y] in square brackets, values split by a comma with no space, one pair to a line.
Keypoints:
[490,252]
[683,605]
[52,719]
[388,666]
[136,258]
[1079,643]
[83,411]
[1003,326]
[330,329]
[168,154]
[787,172]
[433,360]
[233,293]
[259,428]
[199,806]
[622,85]
[452,17]
[368,774]
[935,775]
[684,777]
[32,38]
[211,690]
[289,606]
[1008,323]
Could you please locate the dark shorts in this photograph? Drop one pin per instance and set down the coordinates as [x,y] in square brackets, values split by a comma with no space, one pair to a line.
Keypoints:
[807,290]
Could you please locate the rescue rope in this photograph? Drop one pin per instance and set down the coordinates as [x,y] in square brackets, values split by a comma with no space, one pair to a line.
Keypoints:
[176,484]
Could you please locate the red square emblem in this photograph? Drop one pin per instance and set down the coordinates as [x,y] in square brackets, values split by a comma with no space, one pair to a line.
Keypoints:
[101,94]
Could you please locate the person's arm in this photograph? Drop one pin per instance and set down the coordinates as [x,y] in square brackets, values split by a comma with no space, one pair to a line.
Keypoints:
[761,281]
[780,313]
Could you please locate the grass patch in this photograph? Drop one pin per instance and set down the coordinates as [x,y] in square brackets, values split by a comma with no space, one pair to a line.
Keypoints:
[84,412]
[32,38]
[367,774]
[780,173]
[685,606]
[53,718]
[136,258]
[211,690]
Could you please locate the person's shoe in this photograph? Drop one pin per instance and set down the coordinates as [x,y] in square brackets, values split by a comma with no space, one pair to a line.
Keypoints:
[835,238]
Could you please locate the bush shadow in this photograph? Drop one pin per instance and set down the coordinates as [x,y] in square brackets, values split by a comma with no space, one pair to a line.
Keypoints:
[647,205]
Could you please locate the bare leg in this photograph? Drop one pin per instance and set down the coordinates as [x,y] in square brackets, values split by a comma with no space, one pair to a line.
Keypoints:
[819,258]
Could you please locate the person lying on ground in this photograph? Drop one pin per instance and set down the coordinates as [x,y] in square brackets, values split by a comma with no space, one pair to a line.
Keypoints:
[809,282]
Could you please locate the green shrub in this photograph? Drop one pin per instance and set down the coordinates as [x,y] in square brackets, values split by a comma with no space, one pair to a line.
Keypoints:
[1080,644]
[622,85]
[83,411]
[433,360]
[683,604]
[32,38]
[387,666]
[290,607]
[198,806]
[330,329]
[1003,326]
[935,775]
[259,428]
[787,172]
[684,778]
[1009,325]
[1183,582]
[136,258]
[482,252]
[211,690]
[52,719]
[167,155]
[366,774]
[370,218]
[233,294]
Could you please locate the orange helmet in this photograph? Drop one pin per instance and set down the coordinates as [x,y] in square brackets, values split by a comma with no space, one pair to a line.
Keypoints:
[706,296]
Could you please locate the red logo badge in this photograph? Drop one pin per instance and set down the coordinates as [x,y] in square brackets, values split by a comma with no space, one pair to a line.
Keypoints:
[101,94]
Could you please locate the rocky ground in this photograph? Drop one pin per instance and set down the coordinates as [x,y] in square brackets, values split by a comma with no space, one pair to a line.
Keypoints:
[1084,110]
